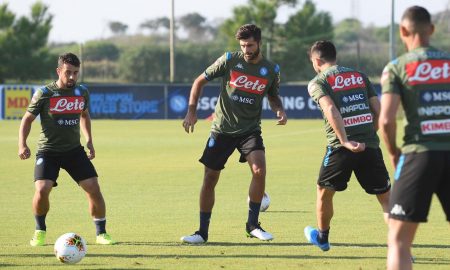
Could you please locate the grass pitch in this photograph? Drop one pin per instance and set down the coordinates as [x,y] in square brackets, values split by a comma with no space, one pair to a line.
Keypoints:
[150,178]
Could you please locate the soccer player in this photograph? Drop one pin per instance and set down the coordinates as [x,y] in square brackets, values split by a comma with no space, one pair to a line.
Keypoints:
[350,108]
[247,76]
[63,109]
[420,80]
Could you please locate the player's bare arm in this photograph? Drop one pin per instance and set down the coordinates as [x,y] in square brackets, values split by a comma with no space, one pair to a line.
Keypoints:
[374,105]
[388,125]
[85,124]
[335,119]
[277,107]
[196,91]
[24,131]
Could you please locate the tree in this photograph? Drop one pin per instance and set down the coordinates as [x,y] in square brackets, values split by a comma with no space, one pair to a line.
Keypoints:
[259,12]
[145,64]
[195,25]
[118,28]
[23,43]
[6,21]
[301,30]
[156,24]
[100,50]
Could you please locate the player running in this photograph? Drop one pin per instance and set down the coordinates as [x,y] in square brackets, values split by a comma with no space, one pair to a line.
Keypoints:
[247,76]
[63,109]
[350,107]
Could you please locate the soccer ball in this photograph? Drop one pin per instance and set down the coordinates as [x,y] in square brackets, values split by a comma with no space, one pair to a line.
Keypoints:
[265,202]
[70,248]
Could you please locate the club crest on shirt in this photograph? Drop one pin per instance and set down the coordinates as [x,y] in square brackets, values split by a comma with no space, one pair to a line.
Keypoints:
[263,71]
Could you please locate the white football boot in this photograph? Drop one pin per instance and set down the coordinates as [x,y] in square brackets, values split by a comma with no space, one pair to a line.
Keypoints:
[257,232]
[195,238]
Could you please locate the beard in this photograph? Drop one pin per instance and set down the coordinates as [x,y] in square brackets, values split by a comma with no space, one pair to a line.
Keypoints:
[70,83]
[253,55]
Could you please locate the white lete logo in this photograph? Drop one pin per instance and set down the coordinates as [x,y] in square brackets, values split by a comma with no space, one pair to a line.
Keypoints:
[247,83]
[66,105]
[432,71]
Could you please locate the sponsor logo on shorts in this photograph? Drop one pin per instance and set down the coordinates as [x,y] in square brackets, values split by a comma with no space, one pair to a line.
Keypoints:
[39,161]
[397,210]
[435,127]
[428,72]
[346,81]
[211,142]
[358,120]
[243,100]
[66,105]
[247,83]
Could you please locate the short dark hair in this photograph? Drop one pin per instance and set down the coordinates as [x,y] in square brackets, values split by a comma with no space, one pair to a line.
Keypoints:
[325,49]
[419,17]
[247,31]
[417,14]
[68,58]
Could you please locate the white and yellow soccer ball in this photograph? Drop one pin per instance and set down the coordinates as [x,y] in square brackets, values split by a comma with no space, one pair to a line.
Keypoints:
[265,202]
[70,248]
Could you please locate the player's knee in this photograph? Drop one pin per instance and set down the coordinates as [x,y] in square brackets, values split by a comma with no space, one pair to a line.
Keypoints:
[211,176]
[258,172]
[43,191]
[91,186]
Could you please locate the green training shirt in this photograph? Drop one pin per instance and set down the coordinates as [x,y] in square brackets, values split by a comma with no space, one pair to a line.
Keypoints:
[350,91]
[59,110]
[422,79]
[243,87]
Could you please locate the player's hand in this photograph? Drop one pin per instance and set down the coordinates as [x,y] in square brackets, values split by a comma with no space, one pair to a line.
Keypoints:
[395,157]
[282,118]
[24,152]
[355,147]
[189,122]
[90,147]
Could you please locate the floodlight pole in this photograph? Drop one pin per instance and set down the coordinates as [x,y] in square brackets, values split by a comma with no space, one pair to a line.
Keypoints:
[172,41]
[392,33]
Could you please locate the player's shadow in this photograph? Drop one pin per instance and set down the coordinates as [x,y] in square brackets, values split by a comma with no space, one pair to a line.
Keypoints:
[280,244]
[371,245]
[361,245]
[287,211]
[234,256]
[419,260]
[214,244]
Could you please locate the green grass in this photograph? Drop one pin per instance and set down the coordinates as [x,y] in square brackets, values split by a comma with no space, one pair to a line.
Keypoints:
[150,178]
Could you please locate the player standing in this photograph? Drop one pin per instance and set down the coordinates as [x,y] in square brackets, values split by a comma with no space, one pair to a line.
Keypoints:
[420,80]
[63,109]
[350,107]
[247,76]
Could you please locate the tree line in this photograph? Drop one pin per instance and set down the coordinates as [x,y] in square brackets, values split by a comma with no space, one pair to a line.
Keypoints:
[26,55]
